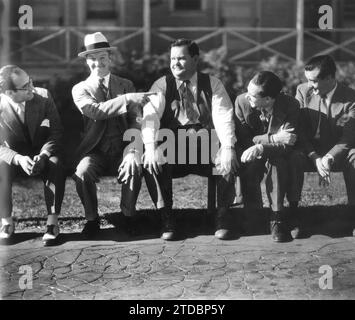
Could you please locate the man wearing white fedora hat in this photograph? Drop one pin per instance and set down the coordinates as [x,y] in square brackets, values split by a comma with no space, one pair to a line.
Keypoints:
[109,107]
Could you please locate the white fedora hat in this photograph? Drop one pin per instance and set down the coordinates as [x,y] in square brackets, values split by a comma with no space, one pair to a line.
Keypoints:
[95,42]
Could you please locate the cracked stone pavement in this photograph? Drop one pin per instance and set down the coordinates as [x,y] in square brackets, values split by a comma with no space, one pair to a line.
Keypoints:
[198,267]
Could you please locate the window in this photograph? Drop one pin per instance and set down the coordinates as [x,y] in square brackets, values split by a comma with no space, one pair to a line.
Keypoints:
[101,9]
[184,5]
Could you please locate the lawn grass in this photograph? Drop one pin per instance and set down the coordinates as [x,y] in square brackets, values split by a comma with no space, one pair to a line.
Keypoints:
[189,193]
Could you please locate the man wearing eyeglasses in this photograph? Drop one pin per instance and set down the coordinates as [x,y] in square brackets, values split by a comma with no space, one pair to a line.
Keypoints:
[30,139]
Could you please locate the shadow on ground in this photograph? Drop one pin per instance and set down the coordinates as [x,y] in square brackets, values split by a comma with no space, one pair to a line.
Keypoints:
[332,221]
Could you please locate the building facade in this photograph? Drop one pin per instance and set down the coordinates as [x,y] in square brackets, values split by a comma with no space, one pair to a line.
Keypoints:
[250,29]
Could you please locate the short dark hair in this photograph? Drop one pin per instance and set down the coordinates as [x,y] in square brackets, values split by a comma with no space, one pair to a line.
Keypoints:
[6,82]
[325,63]
[269,83]
[191,46]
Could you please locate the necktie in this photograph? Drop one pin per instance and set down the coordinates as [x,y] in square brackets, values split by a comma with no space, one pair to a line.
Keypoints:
[21,112]
[187,100]
[265,117]
[322,116]
[104,89]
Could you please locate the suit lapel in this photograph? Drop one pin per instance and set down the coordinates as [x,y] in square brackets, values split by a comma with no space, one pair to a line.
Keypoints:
[94,89]
[313,102]
[116,86]
[11,119]
[336,103]
[277,118]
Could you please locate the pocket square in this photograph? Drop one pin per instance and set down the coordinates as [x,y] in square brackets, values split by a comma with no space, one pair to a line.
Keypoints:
[45,123]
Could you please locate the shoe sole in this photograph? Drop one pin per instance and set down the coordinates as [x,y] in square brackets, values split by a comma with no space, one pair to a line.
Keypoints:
[7,241]
[282,240]
[50,242]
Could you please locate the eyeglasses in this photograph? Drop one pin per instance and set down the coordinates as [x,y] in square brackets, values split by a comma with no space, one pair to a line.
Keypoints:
[26,87]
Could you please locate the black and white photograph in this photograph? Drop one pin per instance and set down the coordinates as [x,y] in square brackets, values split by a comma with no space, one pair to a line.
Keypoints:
[177,155]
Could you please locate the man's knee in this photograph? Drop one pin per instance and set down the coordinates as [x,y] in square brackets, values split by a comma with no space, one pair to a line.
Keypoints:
[296,159]
[351,159]
[278,162]
[85,170]
[56,165]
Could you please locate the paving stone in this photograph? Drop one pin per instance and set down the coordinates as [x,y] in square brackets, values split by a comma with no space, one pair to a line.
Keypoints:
[201,267]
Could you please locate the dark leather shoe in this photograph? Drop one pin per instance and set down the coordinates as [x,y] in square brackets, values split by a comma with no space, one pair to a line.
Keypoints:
[223,225]
[50,237]
[132,225]
[91,229]
[168,232]
[7,234]
[279,231]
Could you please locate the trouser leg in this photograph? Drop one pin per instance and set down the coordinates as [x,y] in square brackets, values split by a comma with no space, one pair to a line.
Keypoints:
[349,177]
[86,176]
[276,182]
[6,176]
[297,165]
[160,187]
[251,176]
[225,191]
[130,192]
[54,185]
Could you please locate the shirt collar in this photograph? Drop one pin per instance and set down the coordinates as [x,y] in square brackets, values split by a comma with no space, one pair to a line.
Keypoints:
[193,81]
[267,113]
[106,79]
[13,103]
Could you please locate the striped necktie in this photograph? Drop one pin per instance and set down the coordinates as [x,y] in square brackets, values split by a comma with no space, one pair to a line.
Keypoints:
[103,88]
[187,100]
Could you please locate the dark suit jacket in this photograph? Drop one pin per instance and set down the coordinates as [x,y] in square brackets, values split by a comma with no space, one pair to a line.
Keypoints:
[43,123]
[90,101]
[341,121]
[250,130]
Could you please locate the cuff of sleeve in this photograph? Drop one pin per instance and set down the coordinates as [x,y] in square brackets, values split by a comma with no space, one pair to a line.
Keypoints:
[15,159]
[313,155]
[149,146]
[229,147]
[46,153]
[329,156]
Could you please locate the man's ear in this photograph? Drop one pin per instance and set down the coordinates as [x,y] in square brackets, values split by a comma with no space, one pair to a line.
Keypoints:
[9,93]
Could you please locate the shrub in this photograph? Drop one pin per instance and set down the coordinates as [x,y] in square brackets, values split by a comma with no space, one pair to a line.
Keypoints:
[143,71]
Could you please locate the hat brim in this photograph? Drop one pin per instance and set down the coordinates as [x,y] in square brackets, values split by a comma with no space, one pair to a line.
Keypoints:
[85,53]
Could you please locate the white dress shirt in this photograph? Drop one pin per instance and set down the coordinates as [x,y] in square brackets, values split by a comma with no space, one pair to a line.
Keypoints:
[95,79]
[222,107]
[19,108]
